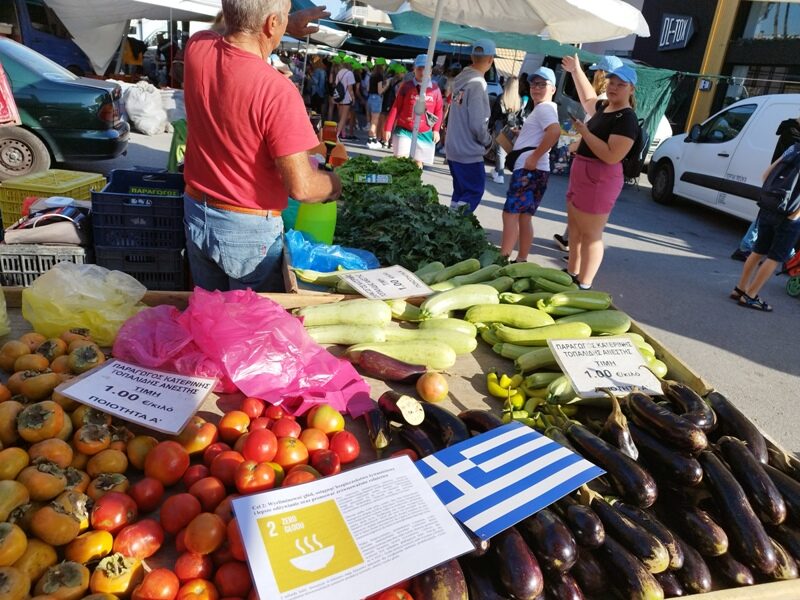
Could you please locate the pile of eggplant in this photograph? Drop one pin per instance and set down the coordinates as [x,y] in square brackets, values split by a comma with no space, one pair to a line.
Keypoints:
[694,498]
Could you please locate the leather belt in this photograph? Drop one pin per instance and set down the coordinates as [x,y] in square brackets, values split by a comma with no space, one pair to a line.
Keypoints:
[199,196]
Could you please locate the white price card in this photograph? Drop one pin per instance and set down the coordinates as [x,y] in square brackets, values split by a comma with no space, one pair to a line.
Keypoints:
[613,363]
[346,536]
[155,399]
[389,283]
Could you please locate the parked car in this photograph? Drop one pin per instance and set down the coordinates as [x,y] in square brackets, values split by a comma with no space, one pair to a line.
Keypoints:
[64,117]
[720,162]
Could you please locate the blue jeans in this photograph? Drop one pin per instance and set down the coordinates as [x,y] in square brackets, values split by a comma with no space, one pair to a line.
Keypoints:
[229,250]
[469,183]
[500,152]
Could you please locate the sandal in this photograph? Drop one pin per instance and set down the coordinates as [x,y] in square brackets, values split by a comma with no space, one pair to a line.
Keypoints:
[736,293]
[754,303]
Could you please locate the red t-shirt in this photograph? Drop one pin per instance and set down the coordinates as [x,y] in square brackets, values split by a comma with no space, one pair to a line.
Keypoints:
[403,108]
[241,114]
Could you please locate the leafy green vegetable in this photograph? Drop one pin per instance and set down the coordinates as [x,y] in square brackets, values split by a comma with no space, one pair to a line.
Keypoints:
[404,172]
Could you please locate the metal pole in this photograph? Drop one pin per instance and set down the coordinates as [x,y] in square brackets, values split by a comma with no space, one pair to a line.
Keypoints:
[419,108]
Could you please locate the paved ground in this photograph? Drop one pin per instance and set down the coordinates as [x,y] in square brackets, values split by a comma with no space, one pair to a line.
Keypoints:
[669,267]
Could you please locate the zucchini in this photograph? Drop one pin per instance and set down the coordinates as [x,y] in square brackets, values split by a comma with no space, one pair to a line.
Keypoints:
[543,284]
[449,324]
[465,267]
[540,380]
[583,299]
[512,351]
[539,335]
[329,279]
[346,334]
[501,284]
[534,360]
[524,299]
[403,311]
[348,312]
[461,343]
[514,315]
[428,272]
[460,298]
[614,322]
[562,311]
[431,353]
[343,287]
[479,276]
[658,367]
[488,336]
[443,286]
[529,270]
[521,285]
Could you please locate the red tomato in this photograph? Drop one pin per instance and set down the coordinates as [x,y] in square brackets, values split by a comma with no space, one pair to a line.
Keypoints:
[180,540]
[235,542]
[297,477]
[178,510]
[113,511]
[406,452]
[205,533]
[193,566]
[326,418]
[233,579]
[193,474]
[260,446]
[158,584]
[274,412]
[140,540]
[291,452]
[224,466]
[286,428]
[197,589]
[326,462]
[198,435]
[254,477]
[210,491]
[252,407]
[260,423]
[395,594]
[225,508]
[314,439]
[222,555]
[212,451]
[167,462]
[241,442]
[147,492]
[232,425]
[346,446]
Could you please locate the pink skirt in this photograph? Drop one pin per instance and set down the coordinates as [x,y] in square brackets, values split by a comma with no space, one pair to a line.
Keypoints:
[594,186]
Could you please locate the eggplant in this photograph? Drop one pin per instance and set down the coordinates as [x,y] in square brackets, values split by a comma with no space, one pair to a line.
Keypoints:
[692,406]
[555,434]
[668,581]
[401,409]
[551,540]
[786,566]
[615,429]
[583,522]
[444,582]
[764,496]
[789,489]
[633,482]
[627,572]
[448,427]
[666,425]
[657,528]
[419,441]
[644,545]
[731,570]
[516,565]
[699,529]
[694,575]
[377,365]
[789,538]
[479,421]
[676,466]
[377,429]
[589,573]
[480,582]
[731,421]
[481,546]
[562,586]
[749,540]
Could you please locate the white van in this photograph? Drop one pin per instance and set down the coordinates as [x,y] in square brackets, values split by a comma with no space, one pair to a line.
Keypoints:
[720,162]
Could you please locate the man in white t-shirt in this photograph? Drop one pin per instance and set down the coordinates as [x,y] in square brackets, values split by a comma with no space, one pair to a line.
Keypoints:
[347,79]
[531,157]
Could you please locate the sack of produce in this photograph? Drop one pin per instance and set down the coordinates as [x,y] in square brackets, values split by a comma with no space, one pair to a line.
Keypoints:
[144,108]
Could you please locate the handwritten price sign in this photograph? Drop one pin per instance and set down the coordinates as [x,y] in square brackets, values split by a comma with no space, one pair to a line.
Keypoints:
[387,284]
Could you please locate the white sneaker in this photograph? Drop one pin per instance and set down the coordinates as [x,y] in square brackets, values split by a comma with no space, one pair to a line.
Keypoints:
[498,178]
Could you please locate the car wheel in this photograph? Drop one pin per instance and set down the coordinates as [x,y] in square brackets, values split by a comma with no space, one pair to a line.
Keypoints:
[21,153]
[663,182]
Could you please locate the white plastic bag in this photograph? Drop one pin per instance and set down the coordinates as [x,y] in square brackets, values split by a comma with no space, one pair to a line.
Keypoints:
[144,108]
[172,101]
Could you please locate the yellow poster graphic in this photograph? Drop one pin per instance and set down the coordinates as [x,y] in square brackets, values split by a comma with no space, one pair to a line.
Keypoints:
[307,545]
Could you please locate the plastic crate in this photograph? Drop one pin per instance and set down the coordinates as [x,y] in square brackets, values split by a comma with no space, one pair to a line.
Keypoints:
[55,182]
[20,264]
[139,209]
[155,268]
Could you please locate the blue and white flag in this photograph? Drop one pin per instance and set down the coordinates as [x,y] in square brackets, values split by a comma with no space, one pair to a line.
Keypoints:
[495,480]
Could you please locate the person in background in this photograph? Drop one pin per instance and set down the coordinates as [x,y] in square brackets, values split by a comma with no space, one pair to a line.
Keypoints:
[539,133]
[318,83]
[133,56]
[402,113]
[347,79]
[389,95]
[377,86]
[238,177]
[505,112]
[357,109]
[468,135]
[596,177]
[524,88]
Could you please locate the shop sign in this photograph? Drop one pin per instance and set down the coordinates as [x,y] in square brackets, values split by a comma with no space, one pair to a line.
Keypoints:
[387,284]
[613,363]
[676,31]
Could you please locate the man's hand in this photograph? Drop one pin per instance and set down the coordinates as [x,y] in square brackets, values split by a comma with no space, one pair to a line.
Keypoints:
[436,137]
[299,20]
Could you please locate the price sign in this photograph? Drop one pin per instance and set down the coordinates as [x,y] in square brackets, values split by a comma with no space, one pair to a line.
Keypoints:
[387,284]
[155,399]
[612,363]
[373,178]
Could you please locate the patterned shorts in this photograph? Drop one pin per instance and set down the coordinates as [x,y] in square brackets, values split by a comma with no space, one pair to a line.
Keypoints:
[525,191]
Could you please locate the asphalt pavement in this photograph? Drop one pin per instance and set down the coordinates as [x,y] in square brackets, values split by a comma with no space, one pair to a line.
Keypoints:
[668,267]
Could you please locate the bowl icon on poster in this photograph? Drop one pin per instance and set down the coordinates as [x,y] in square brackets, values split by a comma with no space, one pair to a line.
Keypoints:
[312,558]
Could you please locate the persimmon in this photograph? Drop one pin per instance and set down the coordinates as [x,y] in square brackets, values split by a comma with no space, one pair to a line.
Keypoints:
[32,339]
[10,352]
[52,348]
[40,421]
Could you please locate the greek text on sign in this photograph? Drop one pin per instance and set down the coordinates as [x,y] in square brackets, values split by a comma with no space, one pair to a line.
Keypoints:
[612,363]
[387,284]
[155,399]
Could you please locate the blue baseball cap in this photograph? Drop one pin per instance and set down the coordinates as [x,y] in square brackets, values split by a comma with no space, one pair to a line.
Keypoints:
[544,73]
[625,73]
[484,47]
[607,64]
[420,60]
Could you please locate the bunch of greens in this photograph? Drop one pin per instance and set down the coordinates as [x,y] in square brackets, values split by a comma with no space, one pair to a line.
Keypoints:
[404,172]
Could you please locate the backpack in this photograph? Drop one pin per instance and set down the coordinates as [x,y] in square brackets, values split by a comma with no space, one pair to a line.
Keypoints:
[339,91]
[633,163]
[780,192]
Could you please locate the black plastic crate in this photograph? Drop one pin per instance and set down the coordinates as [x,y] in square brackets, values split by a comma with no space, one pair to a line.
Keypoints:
[139,209]
[155,268]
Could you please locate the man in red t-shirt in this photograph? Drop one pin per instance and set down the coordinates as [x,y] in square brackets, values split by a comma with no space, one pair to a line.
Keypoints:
[246,152]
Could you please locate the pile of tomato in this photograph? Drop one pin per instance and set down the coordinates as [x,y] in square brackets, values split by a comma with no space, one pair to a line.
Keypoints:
[90,510]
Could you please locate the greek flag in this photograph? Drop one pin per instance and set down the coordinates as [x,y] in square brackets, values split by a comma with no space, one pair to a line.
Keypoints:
[495,480]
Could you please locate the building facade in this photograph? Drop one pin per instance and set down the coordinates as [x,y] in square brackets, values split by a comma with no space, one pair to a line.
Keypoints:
[359,13]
